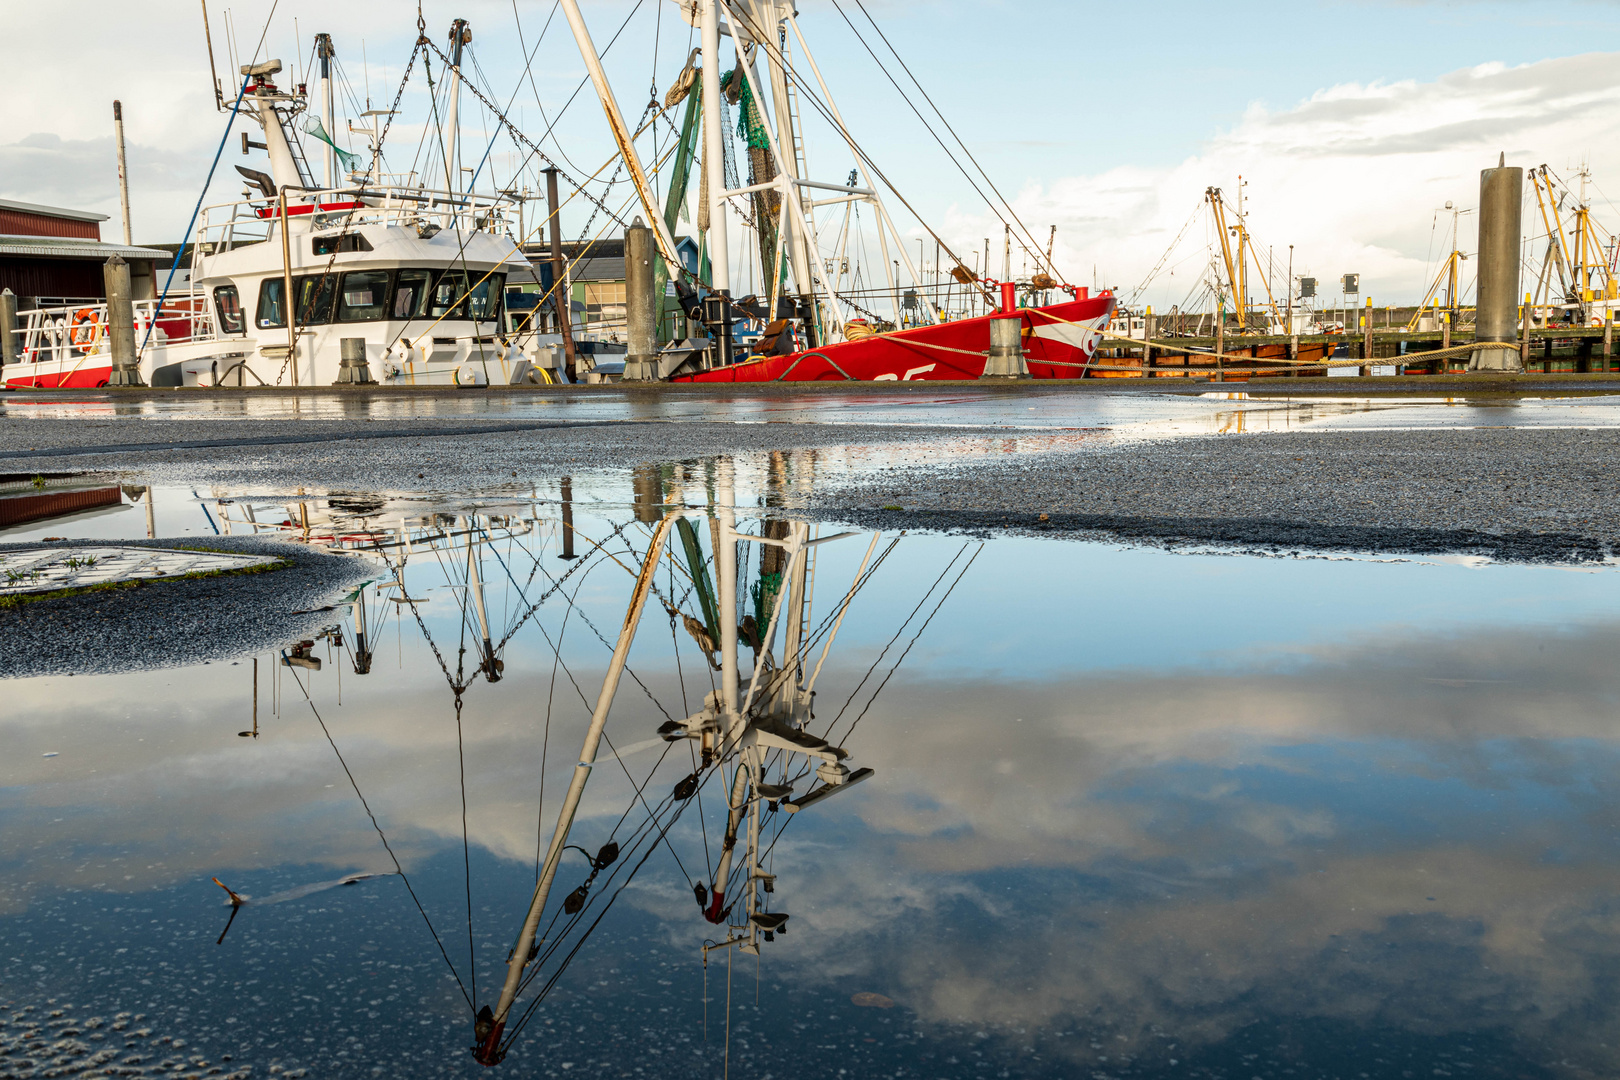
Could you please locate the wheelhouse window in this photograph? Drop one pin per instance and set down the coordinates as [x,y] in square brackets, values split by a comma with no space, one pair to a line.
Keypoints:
[327,245]
[315,299]
[228,308]
[411,294]
[485,301]
[364,296]
[315,296]
[272,305]
[447,296]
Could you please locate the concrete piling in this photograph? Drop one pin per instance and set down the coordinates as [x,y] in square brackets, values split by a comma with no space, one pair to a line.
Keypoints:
[640,305]
[1501,192]
[120,324]
[10,350]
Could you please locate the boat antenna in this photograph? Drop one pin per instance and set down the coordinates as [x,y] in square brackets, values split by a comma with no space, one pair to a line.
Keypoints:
[208,36]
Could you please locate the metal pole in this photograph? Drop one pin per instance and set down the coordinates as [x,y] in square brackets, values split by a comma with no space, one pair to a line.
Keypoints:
[323,50]
[459,34]
[476,584]
[487,1049]
[288,308]
[1291,295]
[640,304]
[714,154]
[725,566]
[151,521]
[123,171]
[559,272]
[126,370]
[1500,195]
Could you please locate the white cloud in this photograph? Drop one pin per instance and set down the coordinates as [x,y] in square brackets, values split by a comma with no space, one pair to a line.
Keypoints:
[1350,176]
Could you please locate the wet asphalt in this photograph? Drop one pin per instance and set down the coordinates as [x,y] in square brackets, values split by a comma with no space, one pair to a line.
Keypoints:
[1513,494]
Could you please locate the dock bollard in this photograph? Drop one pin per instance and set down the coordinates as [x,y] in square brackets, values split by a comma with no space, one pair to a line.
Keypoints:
[1006,359]
[9,353]
[352,366]
[126,369]
[640,305]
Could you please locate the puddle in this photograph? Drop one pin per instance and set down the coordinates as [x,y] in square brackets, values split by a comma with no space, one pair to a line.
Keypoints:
[1132,812]
[1124,415]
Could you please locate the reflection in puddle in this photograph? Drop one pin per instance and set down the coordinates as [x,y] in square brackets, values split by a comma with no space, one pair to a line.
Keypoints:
[1129,812]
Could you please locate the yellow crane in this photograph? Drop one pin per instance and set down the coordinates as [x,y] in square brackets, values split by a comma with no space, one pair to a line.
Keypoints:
[1237,268]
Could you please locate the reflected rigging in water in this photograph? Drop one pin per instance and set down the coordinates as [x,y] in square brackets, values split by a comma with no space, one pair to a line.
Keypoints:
[756,746]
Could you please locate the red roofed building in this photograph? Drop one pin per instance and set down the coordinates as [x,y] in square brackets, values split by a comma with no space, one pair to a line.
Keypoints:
[51,257]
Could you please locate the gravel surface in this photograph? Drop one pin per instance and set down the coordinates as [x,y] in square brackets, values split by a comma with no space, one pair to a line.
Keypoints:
[1526,494]
[177,623]
[419,455]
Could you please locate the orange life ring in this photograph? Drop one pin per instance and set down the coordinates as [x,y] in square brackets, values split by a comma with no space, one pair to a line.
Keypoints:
[87,329]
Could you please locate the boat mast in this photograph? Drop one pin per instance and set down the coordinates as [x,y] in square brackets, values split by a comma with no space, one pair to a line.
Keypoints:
[714,151]
[323,52]
[460,34]
[487,1050]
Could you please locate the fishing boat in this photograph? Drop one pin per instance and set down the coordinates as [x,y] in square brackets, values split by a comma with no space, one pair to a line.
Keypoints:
[1058,342]
[359,278]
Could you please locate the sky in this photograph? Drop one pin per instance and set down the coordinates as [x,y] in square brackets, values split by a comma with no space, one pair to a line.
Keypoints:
[1350,123]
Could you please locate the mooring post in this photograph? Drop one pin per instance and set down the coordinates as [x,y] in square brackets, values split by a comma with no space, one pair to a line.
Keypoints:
[120,324]
[559,277]
[352,366]
[1524,338]
[567,518]
[1501,192]
[1006,358]
[640,305]
[647,485]
[9,351]
[1150,330]
[1367,333]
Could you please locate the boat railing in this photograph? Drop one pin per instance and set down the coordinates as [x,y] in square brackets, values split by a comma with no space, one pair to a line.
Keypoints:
[223,226]
[72,333]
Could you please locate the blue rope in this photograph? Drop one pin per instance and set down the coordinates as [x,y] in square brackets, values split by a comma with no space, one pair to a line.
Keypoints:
[237,105]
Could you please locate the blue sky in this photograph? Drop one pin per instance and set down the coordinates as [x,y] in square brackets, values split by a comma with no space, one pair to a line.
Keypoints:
[1351,122]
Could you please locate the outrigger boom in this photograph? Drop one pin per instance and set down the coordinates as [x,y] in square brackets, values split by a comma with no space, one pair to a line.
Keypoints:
[489,1026]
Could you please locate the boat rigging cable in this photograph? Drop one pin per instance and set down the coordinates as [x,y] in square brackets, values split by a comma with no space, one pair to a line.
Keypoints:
[380,835]
[914,639]
[1010,211]
[637,836]
[774,50]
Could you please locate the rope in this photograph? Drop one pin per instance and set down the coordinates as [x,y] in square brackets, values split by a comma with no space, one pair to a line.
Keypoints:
[174,266]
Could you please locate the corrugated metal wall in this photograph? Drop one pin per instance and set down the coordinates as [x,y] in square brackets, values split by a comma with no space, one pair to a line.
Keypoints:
[23,223]
[52,277]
